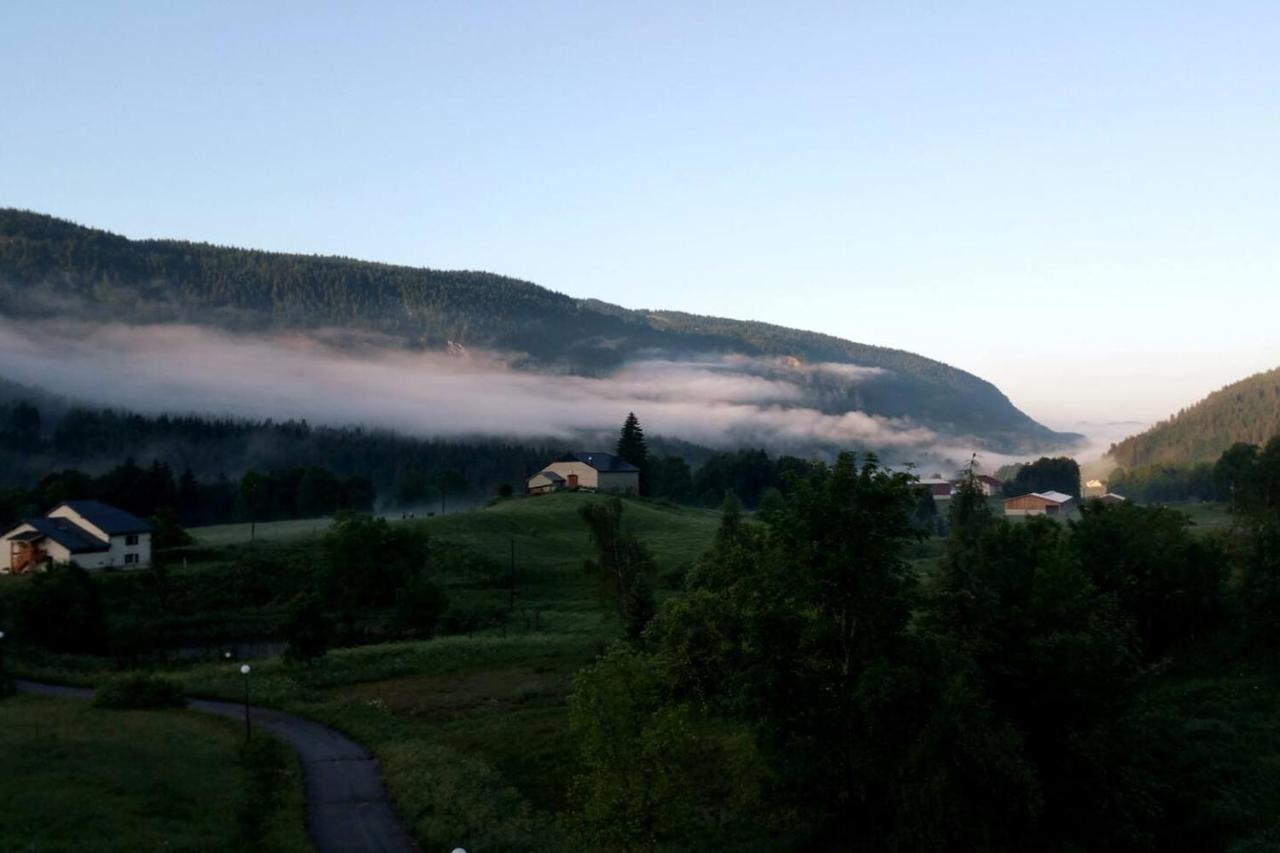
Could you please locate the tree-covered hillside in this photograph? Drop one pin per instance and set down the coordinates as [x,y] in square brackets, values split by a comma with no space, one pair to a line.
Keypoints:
[1246,411]
[50,267]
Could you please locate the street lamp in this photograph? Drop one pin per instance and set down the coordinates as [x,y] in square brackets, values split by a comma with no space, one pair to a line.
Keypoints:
[244,670]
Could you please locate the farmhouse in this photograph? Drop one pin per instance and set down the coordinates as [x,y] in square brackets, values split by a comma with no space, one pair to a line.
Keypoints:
[1039,503]
[593,471]
[89,534]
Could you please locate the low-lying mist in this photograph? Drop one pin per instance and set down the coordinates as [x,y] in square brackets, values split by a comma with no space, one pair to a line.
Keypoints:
[720,401]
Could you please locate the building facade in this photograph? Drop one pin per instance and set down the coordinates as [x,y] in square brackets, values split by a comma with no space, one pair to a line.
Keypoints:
[1039,503]
[89,534]
[591,471]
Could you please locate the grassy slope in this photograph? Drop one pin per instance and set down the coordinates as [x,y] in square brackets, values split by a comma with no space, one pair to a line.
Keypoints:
[76,778]
[471,730]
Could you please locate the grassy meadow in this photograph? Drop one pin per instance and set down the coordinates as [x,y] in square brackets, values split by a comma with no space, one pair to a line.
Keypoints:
[74,777]
[471,728]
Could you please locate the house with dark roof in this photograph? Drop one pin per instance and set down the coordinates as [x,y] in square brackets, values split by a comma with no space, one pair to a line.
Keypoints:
[90,534]
[594,471]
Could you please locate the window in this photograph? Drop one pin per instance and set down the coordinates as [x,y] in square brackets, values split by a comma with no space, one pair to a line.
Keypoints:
[131,539]
[130,559]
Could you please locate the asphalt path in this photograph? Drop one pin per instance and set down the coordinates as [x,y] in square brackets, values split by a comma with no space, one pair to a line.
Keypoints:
[348,810]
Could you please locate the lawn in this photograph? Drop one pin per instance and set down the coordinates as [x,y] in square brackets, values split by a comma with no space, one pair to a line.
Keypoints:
[76,778]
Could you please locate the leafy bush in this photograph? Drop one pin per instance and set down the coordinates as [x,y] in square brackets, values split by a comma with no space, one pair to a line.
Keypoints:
[140,692]
[420,605]
[307,630]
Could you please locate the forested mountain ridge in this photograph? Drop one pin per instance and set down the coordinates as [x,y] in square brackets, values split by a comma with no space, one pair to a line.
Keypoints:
[48,264]
[1245,411]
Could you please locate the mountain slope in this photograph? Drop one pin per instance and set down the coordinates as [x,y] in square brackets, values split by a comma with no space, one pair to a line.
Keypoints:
[1248,410]
[49,265]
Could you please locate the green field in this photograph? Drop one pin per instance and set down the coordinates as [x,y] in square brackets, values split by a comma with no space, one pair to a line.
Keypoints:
[76,778]
[265,531]
[471,728]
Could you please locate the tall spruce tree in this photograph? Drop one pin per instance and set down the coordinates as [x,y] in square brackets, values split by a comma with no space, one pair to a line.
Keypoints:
[632,448]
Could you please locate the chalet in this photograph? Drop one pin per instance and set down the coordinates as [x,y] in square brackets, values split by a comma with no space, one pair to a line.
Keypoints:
[593,471]
[1039,503]
[89,534]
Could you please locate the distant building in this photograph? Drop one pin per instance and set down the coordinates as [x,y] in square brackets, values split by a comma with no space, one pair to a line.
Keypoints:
[545,481]
[940,488]
[592,471]
[89,534]
[1111,498]
[989,485]
[1039,503]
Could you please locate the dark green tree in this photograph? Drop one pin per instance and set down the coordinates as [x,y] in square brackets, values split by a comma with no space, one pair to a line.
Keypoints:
[632,448]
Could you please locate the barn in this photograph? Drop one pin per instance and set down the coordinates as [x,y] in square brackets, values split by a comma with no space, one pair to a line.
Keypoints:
[1039,503]
[593,471]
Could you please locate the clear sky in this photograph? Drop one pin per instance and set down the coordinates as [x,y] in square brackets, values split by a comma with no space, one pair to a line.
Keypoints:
[1079,201]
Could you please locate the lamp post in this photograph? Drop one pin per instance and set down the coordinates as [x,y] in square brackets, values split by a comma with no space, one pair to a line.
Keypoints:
[244,670]
[1,659]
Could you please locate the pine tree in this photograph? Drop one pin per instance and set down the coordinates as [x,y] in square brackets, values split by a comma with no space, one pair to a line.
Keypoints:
[632,448]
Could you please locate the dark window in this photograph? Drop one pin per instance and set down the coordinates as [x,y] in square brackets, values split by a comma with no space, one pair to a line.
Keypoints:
[131,539]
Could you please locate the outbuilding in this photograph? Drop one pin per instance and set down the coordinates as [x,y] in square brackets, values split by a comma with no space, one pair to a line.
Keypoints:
[593,471]
[1039,503]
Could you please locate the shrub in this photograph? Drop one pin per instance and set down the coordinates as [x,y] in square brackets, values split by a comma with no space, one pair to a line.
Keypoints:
[140,692]
[420,605]
[266,768]
[307,630]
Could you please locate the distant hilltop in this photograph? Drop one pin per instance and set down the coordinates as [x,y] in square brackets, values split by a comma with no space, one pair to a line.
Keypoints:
[53,268]
[1248,411]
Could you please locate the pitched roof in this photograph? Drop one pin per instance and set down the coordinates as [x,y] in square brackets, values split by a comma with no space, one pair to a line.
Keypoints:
[69,535]
[108,519]
[989,480]
[601,461]
[550,475]
[1051,496]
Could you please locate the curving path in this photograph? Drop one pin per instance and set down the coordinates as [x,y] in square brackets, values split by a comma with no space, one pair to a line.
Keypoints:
[348,810]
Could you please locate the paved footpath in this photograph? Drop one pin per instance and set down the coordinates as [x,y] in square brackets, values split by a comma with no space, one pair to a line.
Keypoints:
[348,810]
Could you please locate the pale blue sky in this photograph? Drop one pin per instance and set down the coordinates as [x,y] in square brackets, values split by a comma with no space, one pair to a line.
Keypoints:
[1078,201]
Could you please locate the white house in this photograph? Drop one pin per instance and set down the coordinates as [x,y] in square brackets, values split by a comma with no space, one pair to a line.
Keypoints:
[89,534]
[593,471]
